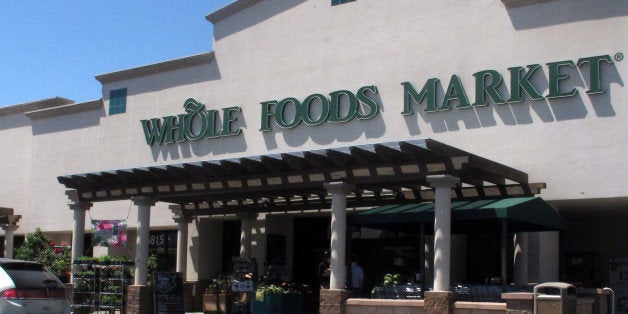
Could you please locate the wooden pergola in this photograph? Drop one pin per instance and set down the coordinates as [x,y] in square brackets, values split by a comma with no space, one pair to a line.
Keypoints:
[362,176]
[381,173]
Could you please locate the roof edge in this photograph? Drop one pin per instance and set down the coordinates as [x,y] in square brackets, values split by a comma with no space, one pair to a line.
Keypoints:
[156,68]
[229,10]
[65,110]
[42,104]
[520,3]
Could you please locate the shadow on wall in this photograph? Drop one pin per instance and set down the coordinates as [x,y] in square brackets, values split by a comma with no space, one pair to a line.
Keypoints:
[565,11]
[548,110]
[250,17]
[204,256]
[323,134]
[13,122]
[172,79]
[216,146]
[68,122]
[326,134]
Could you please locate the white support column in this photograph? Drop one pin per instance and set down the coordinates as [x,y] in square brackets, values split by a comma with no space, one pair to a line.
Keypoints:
[520,272]
[549,247]
[183,222]
[339,191]
[246,233]
[143,204]
[78,232]
[442,229]
[9,230]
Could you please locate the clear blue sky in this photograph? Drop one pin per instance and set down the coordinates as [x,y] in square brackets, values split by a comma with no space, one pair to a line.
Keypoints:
[55,48]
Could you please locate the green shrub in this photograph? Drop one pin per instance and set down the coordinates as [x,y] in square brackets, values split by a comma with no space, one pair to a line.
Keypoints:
[41,249]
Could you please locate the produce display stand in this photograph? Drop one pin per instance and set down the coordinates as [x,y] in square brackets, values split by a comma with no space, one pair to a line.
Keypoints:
[113,280]
[84,287]
[100,287]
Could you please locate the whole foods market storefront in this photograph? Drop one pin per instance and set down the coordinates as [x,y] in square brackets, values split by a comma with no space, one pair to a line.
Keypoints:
[364,176]
[305,113]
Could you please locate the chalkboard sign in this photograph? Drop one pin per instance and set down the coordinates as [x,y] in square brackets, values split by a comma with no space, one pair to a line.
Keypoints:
[243,265]
[168,289]
[276,249]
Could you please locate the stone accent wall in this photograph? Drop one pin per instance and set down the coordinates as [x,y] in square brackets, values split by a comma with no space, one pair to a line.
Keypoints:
[439,302]
[379,306]
[519,302]
[522,302]
[332,301]
[139,300]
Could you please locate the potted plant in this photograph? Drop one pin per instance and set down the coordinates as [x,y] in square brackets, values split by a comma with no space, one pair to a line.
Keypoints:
[218,296]
[275,299]
[110,300]
[112,288]
[85,274]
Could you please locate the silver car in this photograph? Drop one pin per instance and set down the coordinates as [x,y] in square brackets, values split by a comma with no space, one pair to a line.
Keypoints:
[26,287]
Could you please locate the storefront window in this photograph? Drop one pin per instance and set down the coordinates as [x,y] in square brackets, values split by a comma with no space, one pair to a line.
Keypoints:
[163,245]
[117,101]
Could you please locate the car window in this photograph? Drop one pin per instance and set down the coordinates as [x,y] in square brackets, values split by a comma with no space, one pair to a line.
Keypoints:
[30,276]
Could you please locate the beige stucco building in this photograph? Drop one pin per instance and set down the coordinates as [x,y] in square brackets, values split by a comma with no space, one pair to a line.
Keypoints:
[415,69]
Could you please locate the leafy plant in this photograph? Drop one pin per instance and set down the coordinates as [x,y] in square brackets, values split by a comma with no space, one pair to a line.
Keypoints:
[111,266]
[113,259]
[84,274]
[41,249]
[109,299]
[81,285]
[86,259]
[152,267]
[392,279]
[222,283]
[270,289]
[112,288]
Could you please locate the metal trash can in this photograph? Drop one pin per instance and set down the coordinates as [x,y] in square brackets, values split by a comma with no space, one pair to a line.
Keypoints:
[555,297]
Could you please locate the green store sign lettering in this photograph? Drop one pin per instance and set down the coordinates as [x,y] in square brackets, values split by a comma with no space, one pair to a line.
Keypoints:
[343,105]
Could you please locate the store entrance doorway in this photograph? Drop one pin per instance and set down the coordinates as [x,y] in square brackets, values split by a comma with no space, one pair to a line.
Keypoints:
[311,240]
[484,258]
[230,244]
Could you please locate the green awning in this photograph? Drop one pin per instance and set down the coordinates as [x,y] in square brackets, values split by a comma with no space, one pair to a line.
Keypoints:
[483,216]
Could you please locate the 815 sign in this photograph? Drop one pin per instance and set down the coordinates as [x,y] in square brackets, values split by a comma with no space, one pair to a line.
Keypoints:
[159,240]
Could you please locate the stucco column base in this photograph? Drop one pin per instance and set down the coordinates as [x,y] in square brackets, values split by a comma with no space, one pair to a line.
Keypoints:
[519,302]
[439,302]
[600,305]
[139,300]
[332,301]
[553,306]
[193,296]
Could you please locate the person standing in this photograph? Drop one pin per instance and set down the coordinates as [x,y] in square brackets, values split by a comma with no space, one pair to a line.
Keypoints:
[324,271]
[357,275]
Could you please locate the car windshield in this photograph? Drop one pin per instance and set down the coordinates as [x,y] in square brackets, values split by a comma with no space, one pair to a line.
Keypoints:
[31,276]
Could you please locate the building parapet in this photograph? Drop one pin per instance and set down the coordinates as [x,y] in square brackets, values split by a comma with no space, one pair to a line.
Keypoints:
[520,3]
[64,110]
[35,106]
[156,68]
[229,10]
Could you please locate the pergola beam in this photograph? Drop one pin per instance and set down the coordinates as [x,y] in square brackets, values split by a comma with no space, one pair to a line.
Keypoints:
[400,166]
